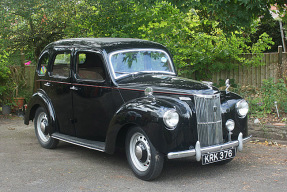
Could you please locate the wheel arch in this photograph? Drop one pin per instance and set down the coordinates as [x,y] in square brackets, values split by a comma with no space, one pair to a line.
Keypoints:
[120,140]
[147,114]
[39,99]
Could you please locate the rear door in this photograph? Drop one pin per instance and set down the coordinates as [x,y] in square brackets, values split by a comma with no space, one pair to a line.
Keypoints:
[58,88]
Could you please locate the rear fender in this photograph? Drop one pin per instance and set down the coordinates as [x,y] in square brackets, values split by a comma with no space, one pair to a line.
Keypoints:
[40,99]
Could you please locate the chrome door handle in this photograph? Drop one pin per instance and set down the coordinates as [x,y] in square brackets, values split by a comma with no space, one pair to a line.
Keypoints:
[74,88]
[48,84]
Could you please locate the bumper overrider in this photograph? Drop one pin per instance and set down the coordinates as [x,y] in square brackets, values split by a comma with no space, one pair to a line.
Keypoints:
[198,151]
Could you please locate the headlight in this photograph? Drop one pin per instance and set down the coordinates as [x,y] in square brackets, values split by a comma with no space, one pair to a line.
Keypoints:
[242,108]
[171,118]
[230,124]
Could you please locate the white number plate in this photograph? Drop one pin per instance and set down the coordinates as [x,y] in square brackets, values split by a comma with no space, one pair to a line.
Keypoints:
[217,156]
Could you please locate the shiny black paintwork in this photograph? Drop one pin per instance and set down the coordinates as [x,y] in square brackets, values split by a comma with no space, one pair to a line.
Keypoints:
[104,110]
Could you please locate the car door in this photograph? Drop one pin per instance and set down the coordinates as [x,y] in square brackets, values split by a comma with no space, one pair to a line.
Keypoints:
[93,98]
[58,89]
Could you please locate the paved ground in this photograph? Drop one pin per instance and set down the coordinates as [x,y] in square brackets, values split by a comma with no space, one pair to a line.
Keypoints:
[25,166]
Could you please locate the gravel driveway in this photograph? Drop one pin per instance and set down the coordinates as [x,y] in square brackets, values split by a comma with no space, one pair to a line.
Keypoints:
[25,166]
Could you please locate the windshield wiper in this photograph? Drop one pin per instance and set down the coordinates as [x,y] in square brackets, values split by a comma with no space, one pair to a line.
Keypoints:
[122,72]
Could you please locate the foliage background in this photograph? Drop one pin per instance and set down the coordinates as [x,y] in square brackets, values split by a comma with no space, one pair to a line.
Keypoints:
[202,35]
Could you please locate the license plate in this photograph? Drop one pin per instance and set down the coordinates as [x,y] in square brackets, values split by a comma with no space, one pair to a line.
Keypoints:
[218,156]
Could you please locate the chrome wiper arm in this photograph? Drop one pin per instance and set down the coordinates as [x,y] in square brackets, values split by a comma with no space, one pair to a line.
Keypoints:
[122,72]
[132,73]
[125,74]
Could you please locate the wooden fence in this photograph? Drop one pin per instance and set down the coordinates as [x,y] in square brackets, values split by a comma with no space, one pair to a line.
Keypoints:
[275,66]
[29,74]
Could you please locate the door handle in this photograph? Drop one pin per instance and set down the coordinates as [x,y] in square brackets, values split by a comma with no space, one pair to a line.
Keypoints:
[48,84]
[74,88]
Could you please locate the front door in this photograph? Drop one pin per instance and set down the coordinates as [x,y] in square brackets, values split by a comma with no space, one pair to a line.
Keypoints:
[92,97]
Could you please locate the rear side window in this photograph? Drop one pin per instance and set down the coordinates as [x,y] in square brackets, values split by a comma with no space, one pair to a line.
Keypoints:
[61,65]
[43,64]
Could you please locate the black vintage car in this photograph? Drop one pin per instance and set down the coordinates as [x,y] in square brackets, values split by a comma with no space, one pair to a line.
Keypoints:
[103,93]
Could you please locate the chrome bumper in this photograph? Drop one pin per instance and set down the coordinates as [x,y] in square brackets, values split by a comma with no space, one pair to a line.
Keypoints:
[198,150]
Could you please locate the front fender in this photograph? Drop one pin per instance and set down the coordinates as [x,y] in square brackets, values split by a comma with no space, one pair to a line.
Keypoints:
[40,99]
[229,101]
[147,113]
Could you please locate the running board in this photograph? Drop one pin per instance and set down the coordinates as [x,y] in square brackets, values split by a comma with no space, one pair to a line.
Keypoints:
[95,145]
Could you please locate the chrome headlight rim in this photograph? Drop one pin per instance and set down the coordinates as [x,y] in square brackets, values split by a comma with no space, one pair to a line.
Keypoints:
[242,108]
[230,125]
[171,119]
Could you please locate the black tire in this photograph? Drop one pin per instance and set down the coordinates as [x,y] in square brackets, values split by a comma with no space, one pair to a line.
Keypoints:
[41,123]
[145,161]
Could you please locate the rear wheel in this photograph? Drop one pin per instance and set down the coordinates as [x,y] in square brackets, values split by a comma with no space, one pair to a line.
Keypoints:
[41,124]
[145,161]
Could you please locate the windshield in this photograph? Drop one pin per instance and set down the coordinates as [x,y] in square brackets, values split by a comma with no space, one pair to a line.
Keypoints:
[136,61]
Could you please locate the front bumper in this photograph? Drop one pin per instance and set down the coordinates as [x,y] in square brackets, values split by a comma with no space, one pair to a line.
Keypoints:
[198,151]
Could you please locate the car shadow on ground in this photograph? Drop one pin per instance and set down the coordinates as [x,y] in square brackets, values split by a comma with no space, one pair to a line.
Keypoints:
[173,169]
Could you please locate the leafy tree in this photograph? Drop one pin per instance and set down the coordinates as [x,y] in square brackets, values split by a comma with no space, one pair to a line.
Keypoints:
[32,24]
[199,33]
[232,15]
[270,26]
[4,72]
[194,50]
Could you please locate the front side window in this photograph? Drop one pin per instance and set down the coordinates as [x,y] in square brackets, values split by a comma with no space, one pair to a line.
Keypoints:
[146,60]
[90,66]
[61,65]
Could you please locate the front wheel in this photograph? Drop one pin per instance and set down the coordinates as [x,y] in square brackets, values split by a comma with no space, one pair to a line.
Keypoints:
[145,161]
[41,124]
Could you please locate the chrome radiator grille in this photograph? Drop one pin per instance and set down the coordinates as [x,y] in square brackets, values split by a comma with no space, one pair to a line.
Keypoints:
[209,123]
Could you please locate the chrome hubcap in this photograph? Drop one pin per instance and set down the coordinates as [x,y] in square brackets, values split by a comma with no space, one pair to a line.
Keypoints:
[42,124]
[140,152]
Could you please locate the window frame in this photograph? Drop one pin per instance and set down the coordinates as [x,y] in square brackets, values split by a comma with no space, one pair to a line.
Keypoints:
[76,75]
[133,50]
[39,66]
[52,61]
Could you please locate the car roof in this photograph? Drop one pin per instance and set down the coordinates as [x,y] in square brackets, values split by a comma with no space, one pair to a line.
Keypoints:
[108,44]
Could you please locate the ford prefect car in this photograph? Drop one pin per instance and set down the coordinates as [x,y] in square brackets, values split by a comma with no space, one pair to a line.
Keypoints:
[104,93]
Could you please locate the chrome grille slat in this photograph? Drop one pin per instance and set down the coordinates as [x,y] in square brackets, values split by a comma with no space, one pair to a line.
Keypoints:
[209,122]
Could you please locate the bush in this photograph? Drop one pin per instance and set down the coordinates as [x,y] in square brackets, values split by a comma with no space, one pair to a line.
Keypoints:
[272,92]
[4,73]
[262,101]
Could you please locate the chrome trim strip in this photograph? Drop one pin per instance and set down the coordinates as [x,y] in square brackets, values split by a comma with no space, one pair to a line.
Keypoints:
[208,96]
[78,143]
[208,123]
[185,98]
[214,148]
